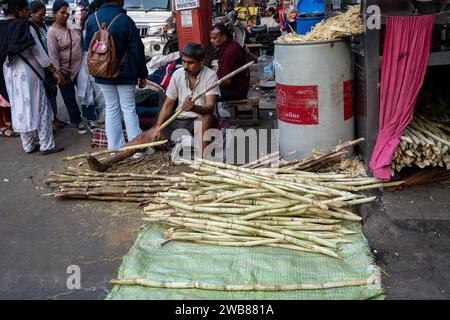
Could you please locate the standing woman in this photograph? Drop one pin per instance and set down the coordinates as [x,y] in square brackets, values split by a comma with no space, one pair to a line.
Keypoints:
[23,59]
[119,93]
[37,11]
[66,53]
[88,91]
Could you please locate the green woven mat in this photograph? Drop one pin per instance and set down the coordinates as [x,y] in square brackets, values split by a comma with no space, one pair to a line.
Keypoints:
[189,262]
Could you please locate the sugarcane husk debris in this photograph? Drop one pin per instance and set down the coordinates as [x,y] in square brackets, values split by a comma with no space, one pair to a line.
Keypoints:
[342,25]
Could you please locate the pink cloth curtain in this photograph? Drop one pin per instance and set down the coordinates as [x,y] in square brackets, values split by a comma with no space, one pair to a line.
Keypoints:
[405,57]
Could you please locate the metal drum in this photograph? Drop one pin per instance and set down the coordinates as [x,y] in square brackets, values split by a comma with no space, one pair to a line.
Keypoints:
[314,90]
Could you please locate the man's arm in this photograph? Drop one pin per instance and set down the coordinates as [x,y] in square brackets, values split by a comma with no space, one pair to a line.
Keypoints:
[229,65]
[165,112]
[208,108]
[225,83]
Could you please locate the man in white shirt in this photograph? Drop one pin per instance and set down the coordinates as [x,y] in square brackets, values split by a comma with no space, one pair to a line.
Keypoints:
[185,83]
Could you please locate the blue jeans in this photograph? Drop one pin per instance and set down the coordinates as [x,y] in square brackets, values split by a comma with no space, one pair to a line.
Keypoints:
[68,95]
[120,98]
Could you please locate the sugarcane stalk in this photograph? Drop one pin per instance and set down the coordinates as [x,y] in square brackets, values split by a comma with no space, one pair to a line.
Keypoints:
[262,159]
[135,147]
[240,287]
[267,231]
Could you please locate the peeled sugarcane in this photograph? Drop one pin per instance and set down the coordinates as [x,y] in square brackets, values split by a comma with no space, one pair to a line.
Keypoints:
[424,143]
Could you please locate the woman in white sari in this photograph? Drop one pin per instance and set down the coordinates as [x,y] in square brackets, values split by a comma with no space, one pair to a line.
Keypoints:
[24,59]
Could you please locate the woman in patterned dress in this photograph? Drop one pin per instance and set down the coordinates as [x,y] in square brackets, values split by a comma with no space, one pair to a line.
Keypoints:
[23,59]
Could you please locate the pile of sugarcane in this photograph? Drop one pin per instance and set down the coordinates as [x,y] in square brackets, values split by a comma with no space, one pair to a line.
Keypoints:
[342,25]
[423,143]
[76,183]
[321,160]
[276,207]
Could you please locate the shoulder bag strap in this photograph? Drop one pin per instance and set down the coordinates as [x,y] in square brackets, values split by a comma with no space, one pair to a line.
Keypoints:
[114,19]
[31,66]
[98,22]
[70,52]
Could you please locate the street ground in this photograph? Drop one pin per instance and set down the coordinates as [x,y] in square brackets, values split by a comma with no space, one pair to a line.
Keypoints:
[40,236]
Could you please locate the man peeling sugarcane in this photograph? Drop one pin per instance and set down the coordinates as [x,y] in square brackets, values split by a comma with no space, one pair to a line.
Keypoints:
[195,87]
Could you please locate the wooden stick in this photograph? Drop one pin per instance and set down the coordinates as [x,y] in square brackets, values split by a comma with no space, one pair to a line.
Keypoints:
[201,94]
[138,146]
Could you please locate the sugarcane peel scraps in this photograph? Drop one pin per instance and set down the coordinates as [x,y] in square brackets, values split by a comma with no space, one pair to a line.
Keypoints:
[343,25]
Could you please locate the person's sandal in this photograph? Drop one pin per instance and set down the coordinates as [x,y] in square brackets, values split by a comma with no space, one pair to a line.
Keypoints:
[35,149]
[8,132]
[52,150]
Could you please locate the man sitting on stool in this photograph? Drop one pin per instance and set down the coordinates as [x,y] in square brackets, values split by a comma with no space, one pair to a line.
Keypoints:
[231,57]
[185,83]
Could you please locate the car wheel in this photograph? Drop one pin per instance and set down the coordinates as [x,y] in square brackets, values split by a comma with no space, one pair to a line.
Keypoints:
[170,47]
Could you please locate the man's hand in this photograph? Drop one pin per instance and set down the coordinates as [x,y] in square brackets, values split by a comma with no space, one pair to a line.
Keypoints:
[142,83]
[153,134]
[188,104]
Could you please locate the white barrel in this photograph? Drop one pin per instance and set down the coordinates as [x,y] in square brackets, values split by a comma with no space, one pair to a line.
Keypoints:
[314,87]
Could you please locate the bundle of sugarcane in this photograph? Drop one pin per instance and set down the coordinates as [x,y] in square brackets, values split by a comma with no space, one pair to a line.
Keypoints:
[276,207]
[127,187]
[320,160]
[423,143]
[342,25]
[423,176]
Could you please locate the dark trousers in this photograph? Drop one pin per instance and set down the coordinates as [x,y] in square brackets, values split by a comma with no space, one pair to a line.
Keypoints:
[51,91]
[230,94]
[68,94]
[218,9]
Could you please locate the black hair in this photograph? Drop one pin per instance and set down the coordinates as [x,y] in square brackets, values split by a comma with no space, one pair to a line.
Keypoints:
[58,4]
[223,29]
[94,6]
[271,10]
[11,6]
[194,50]
[36,6]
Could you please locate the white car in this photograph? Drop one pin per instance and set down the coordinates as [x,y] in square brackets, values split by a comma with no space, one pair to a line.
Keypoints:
[150,17]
